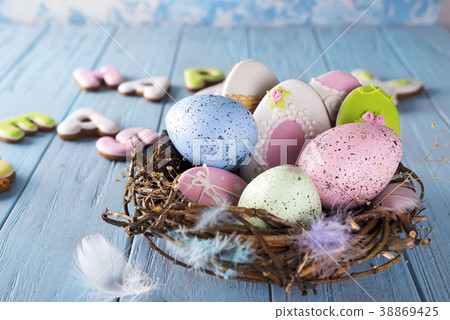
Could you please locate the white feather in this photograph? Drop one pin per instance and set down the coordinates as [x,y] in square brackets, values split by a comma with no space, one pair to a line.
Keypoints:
[102,267]
[211,217]
[399,200]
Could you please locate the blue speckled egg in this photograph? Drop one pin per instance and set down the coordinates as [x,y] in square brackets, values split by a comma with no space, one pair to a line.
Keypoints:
[212,130]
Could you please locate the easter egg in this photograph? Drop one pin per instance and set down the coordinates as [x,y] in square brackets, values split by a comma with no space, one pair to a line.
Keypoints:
[248,81]
[213,130]
[333,87]
[290,113]
[352,163]
[285,191]
[211,186]
[369,104]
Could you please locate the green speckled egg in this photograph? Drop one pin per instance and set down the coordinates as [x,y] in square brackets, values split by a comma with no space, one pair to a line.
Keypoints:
[286,192]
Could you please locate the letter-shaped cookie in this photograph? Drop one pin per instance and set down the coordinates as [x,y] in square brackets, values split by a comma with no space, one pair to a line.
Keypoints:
[117,149]
[152,89]
[215,89]
[247,82]
[86,122]
[7,175]
[198,78]
[14,129]
[89,80]
[398,88]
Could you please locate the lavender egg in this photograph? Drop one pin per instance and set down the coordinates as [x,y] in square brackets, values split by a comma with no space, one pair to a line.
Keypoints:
[352,163]
[213,130]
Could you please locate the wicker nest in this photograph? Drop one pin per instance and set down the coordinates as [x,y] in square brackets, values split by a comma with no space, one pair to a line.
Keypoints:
[159,210]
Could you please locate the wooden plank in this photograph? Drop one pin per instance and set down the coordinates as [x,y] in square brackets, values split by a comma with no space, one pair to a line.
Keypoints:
[42,81]
[424,53]
[15,42]
[364,47]
[220,48]
[34,251]
[290,54]
[373,52]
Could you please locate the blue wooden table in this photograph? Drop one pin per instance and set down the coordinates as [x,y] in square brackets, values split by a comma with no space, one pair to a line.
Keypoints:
[62,187]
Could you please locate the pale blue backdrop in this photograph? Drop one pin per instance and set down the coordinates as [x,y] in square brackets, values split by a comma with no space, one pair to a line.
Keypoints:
[222,12]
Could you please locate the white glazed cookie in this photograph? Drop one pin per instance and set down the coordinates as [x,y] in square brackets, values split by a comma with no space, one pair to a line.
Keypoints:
[289,115]
[247,82]
[333,87]
[398,88]
[86,122]
[152,89]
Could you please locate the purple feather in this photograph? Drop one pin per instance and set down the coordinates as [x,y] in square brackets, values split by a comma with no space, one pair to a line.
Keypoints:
[329,241]
[397,198]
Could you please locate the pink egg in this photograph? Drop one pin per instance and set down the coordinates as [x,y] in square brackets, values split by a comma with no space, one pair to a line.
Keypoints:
[339,80]
[211,186]
[350,164]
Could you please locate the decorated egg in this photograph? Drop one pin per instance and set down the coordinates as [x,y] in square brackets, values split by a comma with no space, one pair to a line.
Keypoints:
[333,87]
[369,104]
[285,191]
[288,115]
[352,163]
[213,130]
[211,186]
[248,81]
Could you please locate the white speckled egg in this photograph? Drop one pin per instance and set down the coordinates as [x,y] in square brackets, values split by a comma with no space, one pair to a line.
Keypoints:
[350,164]
[212,130]
[285,191]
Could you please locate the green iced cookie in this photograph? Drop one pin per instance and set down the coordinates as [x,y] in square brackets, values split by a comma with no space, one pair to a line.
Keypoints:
[199,78]
[14,129]
[365,104]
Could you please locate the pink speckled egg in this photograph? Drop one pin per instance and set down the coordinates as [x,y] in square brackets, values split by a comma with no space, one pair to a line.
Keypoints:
[350,164]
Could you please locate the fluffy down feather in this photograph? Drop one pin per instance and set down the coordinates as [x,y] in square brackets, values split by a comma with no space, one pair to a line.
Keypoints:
[328,241]
[399,198]
[102,267]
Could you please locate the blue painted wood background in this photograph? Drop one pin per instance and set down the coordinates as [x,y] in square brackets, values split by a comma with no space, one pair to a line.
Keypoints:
[62,187]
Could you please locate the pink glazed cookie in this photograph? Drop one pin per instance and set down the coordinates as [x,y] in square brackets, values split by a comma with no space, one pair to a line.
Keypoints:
[333,87]
[89,80]
[117,149]
[288,115]
[211,186]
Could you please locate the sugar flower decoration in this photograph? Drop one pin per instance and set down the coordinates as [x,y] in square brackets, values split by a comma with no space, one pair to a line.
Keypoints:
[276,96]
[370,118]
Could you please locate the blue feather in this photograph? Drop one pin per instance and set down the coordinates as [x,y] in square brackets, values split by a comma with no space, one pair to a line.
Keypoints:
[197,252]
